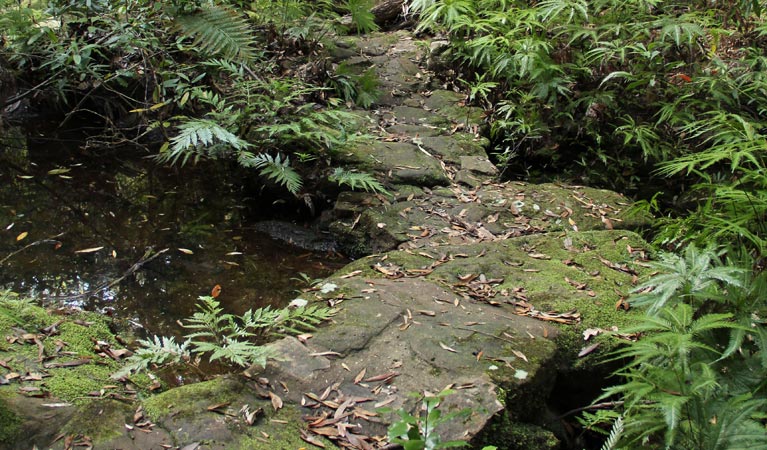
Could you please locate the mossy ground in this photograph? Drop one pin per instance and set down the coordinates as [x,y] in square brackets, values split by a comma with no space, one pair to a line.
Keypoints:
[74,339]
[185,407]
[10,422]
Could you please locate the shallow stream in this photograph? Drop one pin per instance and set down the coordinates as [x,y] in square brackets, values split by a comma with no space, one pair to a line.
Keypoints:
[76,225]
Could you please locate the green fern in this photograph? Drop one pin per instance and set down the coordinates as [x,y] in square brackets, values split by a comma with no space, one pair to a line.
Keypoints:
[697,274]
[224,336]
[196,139]
[615,435]
[220,31]
[275,168]
[362,19]
[156,351]
[357,180]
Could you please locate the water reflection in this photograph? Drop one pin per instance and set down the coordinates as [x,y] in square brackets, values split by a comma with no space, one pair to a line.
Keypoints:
[125,206]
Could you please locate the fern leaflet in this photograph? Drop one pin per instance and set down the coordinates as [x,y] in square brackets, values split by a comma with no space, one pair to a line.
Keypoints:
[356,180]
[220,31]
[275,168]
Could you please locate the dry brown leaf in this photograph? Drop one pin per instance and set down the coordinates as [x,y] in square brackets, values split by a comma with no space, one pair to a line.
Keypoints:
[586,350]
[276,401]
[382,377]
[360,376]
[385,402]
[89,250]
[311,439]
[445,347]
[325,354]
[520,355]
[351,274]
[218,406]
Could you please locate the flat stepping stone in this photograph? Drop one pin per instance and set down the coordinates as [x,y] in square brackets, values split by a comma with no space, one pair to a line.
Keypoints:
[491,212]
[477,318]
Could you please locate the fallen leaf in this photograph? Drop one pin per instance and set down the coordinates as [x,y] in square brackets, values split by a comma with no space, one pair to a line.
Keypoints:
[89,250]
[311,439]
[445,347]
[351,274]
[58,171]
[218,406]
[325,354]
[586,350]
[520,355]
[216,291]
[21,236]
[382,377]
[276,400]
[186,251]
[385,402]
[360,376]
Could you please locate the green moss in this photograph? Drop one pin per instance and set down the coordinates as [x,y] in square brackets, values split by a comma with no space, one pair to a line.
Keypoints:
[281,435]
[507,434]
[184,401]
[74,384]
[10,423]
[100,419]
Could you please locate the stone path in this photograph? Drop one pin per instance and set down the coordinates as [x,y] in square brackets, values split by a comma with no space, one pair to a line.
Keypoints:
[466,279]
[462,282]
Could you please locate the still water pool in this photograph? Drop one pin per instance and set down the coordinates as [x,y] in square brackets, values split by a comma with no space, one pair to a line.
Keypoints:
[77,226]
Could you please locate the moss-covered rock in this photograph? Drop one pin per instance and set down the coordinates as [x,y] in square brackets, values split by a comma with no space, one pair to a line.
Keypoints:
[10,423]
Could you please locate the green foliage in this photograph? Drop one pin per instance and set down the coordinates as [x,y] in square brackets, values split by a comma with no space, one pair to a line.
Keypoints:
[362,89]
[362,19]
[615,434]
[203,74]
[274,168]
[157,351]
[220,31]
[674,387]
[357,180]
[418,432]
[694,277]
[15,310]
[695,378]
[224,336]
[602,89]
[196,138]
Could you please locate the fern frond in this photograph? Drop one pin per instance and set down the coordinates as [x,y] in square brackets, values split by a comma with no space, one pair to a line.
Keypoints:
[196,139]
[362,18]
[615,435]
[158,351]
[220,31]
[275,168]
[357,180]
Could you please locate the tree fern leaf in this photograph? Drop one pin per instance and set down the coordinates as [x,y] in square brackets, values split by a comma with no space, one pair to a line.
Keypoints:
[220,31]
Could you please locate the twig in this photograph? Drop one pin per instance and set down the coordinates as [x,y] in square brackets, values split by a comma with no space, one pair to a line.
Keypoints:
[148,256]
[51,240]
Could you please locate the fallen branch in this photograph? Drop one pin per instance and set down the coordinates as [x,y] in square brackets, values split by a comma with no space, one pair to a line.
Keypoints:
[148,256]
[50,240]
